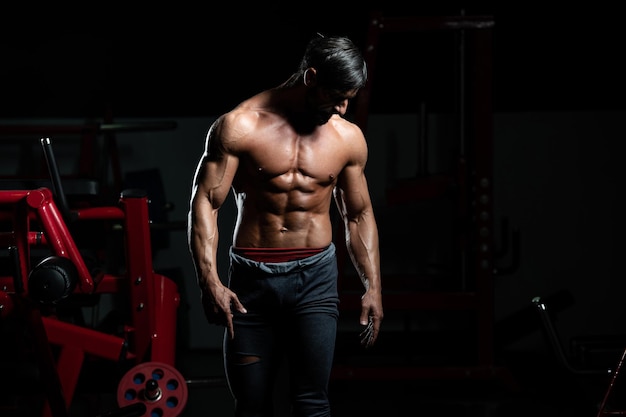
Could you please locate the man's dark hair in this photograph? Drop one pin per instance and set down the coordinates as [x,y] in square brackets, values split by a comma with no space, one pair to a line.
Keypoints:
[339,63]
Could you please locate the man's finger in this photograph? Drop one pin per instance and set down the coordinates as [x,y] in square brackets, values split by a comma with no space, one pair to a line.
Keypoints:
[367,335]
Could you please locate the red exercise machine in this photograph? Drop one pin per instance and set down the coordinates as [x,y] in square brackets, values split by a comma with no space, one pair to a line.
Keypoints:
[48,269]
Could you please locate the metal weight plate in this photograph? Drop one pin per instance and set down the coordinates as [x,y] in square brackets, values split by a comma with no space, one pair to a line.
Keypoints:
[158,385]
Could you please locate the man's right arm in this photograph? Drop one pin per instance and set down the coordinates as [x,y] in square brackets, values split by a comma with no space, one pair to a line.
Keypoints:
[211,185]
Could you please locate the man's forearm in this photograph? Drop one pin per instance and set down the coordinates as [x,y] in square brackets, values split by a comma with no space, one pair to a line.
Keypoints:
[363,248]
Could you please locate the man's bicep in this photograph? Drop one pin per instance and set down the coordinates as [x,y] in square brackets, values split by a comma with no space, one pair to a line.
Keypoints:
[353,191]
[215,179]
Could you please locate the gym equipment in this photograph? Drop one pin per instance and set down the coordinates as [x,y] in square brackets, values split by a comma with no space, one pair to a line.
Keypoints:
[52,280]
[36,221]
[461,197]
[605,408]
[553,338]
[159,386]
[611,403]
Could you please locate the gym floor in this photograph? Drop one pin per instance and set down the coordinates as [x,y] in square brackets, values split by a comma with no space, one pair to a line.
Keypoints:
[534,383]
[541,389]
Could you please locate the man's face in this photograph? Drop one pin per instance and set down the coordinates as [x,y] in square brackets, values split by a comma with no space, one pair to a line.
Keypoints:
[323,103]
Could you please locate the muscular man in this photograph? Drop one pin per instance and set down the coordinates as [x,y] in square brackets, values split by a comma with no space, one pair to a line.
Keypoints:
[286,153]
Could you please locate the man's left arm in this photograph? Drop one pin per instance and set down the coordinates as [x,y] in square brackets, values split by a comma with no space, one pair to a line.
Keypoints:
[355,206]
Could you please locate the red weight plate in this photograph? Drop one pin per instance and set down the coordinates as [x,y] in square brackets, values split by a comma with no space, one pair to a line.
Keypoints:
[159,386]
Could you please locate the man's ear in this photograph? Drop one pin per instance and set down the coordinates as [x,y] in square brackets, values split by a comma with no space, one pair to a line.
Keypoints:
[310,77]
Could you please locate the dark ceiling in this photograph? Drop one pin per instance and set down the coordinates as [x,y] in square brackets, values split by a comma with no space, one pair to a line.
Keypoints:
[193,63]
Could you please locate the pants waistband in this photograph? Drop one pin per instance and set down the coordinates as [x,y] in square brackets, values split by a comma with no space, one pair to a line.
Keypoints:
[283,267]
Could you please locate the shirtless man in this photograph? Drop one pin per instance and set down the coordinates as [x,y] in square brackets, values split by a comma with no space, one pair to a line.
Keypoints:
[286,153]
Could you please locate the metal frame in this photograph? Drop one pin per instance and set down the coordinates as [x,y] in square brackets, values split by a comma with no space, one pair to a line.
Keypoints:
[36,221]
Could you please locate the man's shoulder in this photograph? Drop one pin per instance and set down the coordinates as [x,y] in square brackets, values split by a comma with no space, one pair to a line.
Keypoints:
[251,108]
[347,128]
[239,114]
[242,124]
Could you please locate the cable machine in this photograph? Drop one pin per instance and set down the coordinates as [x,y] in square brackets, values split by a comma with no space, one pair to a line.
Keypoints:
[466,186]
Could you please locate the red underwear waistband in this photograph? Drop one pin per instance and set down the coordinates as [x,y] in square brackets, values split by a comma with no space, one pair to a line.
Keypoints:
[276,255]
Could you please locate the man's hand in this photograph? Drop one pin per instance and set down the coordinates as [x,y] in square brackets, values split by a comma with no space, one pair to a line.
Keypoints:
[371,317]
[218,302]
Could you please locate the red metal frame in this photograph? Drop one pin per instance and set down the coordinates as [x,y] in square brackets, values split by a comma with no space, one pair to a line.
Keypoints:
[150,335]
[475,193]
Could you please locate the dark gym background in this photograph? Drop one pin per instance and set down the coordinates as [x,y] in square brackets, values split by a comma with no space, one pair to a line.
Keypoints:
[558,149]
